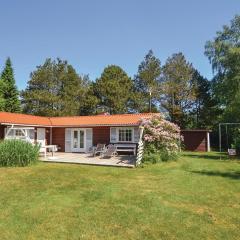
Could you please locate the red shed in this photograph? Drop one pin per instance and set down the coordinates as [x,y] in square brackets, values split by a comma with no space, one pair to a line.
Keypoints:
[196,140]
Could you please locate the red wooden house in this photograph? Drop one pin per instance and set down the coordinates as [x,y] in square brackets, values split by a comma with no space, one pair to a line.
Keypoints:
[75,134]
[80,133]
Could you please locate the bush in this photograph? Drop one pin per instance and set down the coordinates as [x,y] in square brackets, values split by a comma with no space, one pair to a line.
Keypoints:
[17,153]
[151,158]
[162,139]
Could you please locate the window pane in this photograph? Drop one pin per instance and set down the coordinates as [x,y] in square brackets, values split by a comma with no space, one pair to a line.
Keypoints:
[81,139]
[18,132]
[125,135]
[75,139]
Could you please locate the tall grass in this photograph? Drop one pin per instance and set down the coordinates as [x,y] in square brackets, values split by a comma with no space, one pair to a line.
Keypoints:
[17,153]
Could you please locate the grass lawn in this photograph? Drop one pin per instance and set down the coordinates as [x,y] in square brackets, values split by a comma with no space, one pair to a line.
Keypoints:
[197,197]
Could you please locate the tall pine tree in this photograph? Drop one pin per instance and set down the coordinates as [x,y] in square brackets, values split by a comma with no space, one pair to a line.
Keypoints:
[146,83]
[55,89]
[2,100]
[114,89]
[204,110]
[9,89]
[179,91]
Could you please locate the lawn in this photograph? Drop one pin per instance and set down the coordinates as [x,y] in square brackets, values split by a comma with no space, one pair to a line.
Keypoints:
[197,197]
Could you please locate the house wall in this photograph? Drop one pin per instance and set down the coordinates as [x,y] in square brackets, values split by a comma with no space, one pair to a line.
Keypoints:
[101,135]
[2,131]
[58,138]
[195,140]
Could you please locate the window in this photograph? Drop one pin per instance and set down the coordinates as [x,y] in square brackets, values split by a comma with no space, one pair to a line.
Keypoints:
[19,133]
[81,139]
[125,135]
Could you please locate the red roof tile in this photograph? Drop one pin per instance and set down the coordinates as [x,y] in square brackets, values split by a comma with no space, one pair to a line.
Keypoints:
[17,118]
[95,120]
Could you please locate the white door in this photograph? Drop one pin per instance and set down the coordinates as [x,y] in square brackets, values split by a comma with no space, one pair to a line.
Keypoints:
[41,136]
[78,140]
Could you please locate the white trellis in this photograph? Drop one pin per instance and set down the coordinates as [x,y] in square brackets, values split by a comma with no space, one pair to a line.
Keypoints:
[140,148]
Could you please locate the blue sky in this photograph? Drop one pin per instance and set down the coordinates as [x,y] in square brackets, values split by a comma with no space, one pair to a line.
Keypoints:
[92,34]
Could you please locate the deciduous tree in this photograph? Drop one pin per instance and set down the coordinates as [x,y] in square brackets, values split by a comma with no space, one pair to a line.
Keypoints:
[224,54]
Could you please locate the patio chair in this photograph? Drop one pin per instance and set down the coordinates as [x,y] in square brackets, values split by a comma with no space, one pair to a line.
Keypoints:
[98,149]
[110,151]
[43,148]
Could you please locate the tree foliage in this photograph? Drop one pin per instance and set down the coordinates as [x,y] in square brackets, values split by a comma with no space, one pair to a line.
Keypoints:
[205,109]
[114,89]
[10,96]
[2,100]
[146,82]
[55,89]
[224,54]
[178,89]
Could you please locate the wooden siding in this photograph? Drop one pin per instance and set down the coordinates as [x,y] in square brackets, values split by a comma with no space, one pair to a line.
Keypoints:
[101,135]
[195,140]
[2,131]
[58,138]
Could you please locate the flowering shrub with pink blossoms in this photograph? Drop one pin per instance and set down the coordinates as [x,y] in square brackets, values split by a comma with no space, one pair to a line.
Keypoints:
[162,139]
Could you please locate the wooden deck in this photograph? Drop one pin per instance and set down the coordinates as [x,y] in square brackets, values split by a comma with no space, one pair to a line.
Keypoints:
[83,158]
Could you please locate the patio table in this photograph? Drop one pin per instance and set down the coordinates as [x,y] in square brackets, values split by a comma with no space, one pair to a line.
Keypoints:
[51,148]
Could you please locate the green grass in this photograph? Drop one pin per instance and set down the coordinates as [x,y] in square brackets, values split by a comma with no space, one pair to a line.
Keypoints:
[197,197]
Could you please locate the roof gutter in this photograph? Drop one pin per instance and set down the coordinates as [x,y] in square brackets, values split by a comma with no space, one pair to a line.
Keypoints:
[72,126]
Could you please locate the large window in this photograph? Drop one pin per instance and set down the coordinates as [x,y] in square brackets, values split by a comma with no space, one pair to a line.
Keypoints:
[125,135]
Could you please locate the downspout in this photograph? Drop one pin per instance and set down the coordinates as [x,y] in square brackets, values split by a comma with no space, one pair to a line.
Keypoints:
[50,135]
[50,130]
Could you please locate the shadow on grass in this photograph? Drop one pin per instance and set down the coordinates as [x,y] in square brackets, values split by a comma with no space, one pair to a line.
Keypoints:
[233,175]
[219,156]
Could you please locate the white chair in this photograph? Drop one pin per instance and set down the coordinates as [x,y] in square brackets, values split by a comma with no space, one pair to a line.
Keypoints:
[110,151]
[43,149]
[98,149]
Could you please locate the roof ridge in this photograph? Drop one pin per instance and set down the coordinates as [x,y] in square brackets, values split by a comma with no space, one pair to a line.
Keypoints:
[111,115]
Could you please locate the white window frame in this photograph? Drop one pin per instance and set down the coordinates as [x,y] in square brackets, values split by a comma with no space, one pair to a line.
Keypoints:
[125,128]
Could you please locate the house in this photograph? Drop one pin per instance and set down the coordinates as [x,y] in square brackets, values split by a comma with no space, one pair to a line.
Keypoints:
[74,134]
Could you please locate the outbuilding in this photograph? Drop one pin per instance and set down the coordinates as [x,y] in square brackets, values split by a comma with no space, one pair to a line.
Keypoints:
[196,140]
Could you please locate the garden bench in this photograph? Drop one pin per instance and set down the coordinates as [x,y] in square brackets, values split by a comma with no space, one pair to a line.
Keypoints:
[126,147]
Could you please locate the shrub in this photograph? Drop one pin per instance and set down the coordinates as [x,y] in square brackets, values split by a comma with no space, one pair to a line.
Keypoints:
[162,139]
[151,158]
[17,153]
